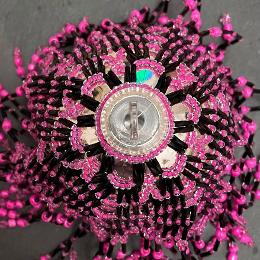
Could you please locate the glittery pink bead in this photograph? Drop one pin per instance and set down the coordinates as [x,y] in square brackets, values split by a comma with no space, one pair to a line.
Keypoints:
[54,40]
[70,28]
[22,223]
[7,125]
[20,71]
[242,81]
[120,255]
[257,175]
[46,217]
[145,252]
[158,255]
[233,248]
[251,163]
[169,243]
[237,231]
[3,212]
[35,58]
[83,25]
[215,32]
[2,137]
[11,223]
[163,19]
[45,257]
[191,4]
[31,67]
[247,92]
[200,244]
[221,234]
[19,91]
[241,200]
[236,171]
[3,93]
[18,61]
[244,109]
[223,197]
[252,127]
[232,256]
[257,194]
[106,24]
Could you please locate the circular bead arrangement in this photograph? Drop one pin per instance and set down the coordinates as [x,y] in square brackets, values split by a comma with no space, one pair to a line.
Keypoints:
[154,122]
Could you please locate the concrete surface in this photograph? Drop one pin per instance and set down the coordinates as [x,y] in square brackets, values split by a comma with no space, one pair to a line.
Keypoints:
[29,23]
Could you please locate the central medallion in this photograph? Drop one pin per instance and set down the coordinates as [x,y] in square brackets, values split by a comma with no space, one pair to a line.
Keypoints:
[134,122]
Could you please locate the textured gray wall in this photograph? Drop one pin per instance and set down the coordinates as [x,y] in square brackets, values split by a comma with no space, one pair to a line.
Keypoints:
[29,23]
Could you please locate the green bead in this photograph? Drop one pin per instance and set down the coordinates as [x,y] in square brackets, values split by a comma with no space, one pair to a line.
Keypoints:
[143,75]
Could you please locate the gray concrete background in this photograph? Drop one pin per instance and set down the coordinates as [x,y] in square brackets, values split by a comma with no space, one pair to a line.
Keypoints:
[29,23]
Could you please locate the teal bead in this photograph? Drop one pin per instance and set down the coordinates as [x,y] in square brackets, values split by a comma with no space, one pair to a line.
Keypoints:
[143,75]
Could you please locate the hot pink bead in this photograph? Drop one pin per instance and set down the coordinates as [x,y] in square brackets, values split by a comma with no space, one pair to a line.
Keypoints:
[67,223]
[12,214]
[106,24]
[158,254]
[215,32]
[195,15]
[35,58]
[246,239]
[232,256]
[2,137]
[252,127]
[247,92]
[31,67]
[241,200]
[163,19]
[145,252]
[54,40]
[257,175]
[223,197]
[200,244]
[19,91]
[3,212]
[24,123]
[201,49]
[22,223]
[60,218]
[169,243]
[34,200]
[242,80]
[4,193]
[120,255]
[237,231]
[11,223]
[3,93]
[236,172]
[10,204]
[45,257]
[228,27]
[19,204]
[18,61]
[46,217]
[221,234]
[70,28]
[83,25]
[20,71]
[191,4]
[244,109]
[233,248]
[251,163]
[257,194]
[7,125]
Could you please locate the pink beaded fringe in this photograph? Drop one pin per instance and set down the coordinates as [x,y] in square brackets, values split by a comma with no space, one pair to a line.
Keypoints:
[61,179]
